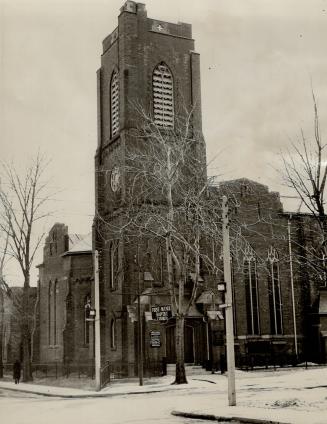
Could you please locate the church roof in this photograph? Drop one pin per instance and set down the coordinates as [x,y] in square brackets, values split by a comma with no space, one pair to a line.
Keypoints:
[83,244]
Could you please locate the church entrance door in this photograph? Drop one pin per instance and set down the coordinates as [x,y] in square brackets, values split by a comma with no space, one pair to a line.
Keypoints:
[188,344]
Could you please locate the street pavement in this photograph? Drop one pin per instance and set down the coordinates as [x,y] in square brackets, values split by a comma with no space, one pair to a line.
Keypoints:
[295,396]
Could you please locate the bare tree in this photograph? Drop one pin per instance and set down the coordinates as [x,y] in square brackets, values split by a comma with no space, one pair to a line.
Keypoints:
[22,199]
[305,172]
[3,287]
[167,196]
[165,188]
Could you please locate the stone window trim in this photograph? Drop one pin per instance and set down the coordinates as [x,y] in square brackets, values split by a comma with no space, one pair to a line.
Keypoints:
[163,96]
[49,313]
[113,258]
[251,291]
[114,104]
[274,292]
[55,304]
[113,334]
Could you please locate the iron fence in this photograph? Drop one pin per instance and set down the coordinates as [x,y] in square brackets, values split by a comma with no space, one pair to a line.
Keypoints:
[57,370]
[109,371]
[105,375]
[252,362]
[118,370]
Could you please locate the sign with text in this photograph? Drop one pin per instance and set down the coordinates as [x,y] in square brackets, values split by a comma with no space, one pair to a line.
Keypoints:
[161,312]
[155,340]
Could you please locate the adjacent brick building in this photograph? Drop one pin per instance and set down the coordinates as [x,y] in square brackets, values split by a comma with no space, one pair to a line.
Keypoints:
[64,294]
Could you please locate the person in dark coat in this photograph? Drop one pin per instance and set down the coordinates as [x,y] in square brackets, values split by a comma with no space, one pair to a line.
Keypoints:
[16,371]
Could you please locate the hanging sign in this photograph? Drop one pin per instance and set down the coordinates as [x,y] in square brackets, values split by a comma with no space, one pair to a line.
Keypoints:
[155,339]
[161,312]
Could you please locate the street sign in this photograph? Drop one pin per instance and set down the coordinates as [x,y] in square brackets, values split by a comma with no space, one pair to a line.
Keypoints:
[161,312]
[155,339]
[90,314]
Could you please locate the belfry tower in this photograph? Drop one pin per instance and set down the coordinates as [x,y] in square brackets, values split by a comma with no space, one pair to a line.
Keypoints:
[151,64]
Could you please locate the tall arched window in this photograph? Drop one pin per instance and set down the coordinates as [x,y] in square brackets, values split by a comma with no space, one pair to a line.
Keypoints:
[163,96]
[251,291]
[87,309]
[274,292]
[55,291]
[112,265]
[49,312]
[113,334]
[113,259]
[114,104]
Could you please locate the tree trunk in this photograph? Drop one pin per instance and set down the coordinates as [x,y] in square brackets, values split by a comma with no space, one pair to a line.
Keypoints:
[26,334]
[180,366]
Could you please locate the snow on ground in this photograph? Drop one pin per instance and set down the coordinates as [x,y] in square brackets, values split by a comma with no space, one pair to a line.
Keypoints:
[290,395]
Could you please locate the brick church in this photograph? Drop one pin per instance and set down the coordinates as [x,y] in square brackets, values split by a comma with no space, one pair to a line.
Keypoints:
[150,68]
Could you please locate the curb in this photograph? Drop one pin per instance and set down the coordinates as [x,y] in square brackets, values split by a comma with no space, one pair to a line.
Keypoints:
[210,417]
[82,396]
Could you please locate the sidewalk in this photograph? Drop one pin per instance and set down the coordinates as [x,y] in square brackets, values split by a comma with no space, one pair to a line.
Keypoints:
[288,396]
[117,388]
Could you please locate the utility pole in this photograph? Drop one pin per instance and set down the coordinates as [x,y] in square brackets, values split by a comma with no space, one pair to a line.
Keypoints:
[292,285]
[97,322]
[229,307]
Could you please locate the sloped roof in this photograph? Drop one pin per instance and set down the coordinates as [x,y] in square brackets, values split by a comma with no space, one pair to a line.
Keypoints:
[81,245]
[74,239]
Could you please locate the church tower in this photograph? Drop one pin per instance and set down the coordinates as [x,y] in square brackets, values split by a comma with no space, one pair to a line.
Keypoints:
[147,65]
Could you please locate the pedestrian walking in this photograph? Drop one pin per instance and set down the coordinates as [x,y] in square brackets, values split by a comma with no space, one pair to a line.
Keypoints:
[16,371]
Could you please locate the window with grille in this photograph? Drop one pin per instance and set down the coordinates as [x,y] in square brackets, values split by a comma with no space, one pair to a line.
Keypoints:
[114,104]
[274,291]
[113,335]
[55,292]
[113,253]
[49,313]
[251,291]
[163,96]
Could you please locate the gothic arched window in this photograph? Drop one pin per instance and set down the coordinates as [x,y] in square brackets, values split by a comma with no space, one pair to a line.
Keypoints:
[163,96]
[55,292]
[251,291]
[49,312]
[274,292]
[113,334]
[114,104]
[113,260]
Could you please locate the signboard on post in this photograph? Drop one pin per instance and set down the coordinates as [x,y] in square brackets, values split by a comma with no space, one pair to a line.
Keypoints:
[155,339]
[161,312]
[90,314]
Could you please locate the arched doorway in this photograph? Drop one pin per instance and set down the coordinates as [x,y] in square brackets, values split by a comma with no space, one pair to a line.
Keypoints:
[188,344]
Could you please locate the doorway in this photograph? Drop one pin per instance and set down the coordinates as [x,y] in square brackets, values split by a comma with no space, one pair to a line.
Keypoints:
[188,344]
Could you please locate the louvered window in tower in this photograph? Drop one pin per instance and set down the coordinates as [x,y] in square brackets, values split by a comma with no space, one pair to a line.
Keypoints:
[114,104]
[163,96]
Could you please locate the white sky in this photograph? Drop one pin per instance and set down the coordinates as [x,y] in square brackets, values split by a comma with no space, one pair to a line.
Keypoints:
[258,58]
